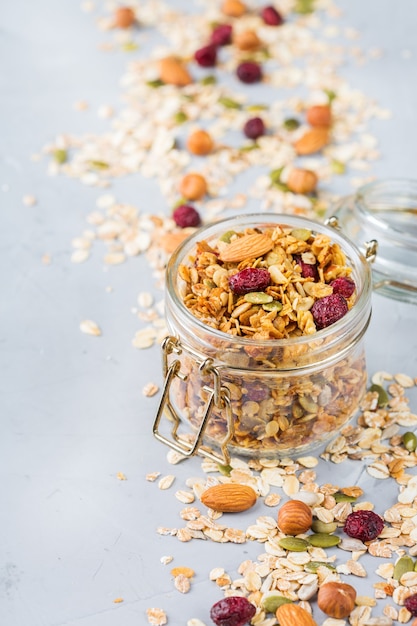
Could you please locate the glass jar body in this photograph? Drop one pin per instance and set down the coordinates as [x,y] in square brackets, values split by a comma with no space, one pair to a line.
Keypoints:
[277,397]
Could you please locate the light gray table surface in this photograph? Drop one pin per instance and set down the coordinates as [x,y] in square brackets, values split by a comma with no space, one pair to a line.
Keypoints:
[72,536]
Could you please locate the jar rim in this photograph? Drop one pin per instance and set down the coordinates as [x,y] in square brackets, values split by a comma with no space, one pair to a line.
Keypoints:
[355,316]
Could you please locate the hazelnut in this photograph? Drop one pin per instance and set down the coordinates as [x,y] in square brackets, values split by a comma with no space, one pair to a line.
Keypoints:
[336,599]
[193,186]
[200,142]
[294,517]
[173,72]
[233,8]
[302,181]
[124,17]
[319,115]
[247,40]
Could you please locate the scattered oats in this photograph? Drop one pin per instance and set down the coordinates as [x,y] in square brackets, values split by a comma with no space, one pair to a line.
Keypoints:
[152,476]
[194,621]
[156,617]
[351,545]
[90,328]
[308,461]
[144,338]
[80,255]
[182,583]
[145,299]
[186,497]
[105,112]
[118,600]
[105,201]
[331,621]
[184,535]
[81,105]
[87,6]
[46,259]
[174,457]
[272,499]
[165,560]
[378,470]
[166,481]
[163,530]
[216,572]
[404,615]
[121,476]
[114,258]
[356,568]
[29,200]
[382,620]
[150,390]
[404,380]
[234,535]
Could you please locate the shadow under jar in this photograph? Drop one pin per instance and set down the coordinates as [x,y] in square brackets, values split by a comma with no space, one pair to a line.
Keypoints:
[252,374]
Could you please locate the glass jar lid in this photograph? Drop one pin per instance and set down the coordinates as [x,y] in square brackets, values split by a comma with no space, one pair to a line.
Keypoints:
[381,218]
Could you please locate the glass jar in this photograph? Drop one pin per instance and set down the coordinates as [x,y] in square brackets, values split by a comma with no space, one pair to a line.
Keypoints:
[387,211]
[260,398]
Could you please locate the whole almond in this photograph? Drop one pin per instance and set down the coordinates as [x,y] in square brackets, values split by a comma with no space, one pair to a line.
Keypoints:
[247,40]
[294,615]
[172,71]
[302,181]
[294,517]
[200,142]
[319,115]
[233,8]
[229,498]
[247,247]
[312,141]
[336,599]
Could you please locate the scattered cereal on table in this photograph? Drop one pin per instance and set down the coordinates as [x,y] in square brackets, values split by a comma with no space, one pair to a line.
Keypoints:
[89,327]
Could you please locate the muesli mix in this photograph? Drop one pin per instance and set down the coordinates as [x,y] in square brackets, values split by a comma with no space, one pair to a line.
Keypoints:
[270,285]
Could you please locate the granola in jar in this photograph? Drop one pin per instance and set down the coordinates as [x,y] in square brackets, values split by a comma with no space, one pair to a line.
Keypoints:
[279,305]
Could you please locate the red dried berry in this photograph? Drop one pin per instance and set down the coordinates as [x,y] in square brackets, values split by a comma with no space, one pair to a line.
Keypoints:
[256,392]
[249,72]
[271,16]
[221,35]
[410,604]
[307,270]
[328,310]
[185,215]
[206,56]
[249,279]
[232,611]
[363,525]
[254,128]
[343,285]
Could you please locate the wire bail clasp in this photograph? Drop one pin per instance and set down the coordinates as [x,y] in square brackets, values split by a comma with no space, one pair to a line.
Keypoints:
[218,396]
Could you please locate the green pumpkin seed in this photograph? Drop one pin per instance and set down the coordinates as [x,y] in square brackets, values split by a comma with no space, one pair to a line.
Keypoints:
[60,156]
[224,469]
[338,167]
[180,117]
[382,395]
[308,404]
[313,566]
[257,107]
[322,527]
[323,540]
[291,123]
[129,46]
[249,147]
[410,441]
[275,175]
[275,305]
[271,600]
[155,83]
[293,544]
[302,234]
[403,565]
[209,80]
[304,7]
[226,237]
[99,165]
[330,94]
[258,297]
[342,497]
[228,103]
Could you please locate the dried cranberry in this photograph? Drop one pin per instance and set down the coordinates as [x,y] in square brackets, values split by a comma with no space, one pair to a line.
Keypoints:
[249,279]
[410,604]
[249,72]
[254,128]
[328,310]
[271,16]
[186,215]
[343,285]
[232,611]
[257,392]
[221,35]
[206,56]
[308,270]
[363,525]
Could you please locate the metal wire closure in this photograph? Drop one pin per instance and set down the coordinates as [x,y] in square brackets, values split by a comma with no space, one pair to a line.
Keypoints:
[218,396]
[371,246]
